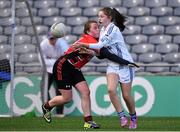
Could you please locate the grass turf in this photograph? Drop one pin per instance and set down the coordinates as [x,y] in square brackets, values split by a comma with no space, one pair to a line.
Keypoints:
[76,124]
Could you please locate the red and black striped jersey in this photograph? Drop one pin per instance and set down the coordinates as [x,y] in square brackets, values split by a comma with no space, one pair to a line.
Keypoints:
[77,59]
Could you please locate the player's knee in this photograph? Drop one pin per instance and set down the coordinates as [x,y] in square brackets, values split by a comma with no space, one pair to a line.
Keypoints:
[86,93]
[111,92]
[126,96]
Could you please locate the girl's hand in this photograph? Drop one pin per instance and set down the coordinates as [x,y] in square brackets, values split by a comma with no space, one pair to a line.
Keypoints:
[79,45]
[133,65]
[84,50]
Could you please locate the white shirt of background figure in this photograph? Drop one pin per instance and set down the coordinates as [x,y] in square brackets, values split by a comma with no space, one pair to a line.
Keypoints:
[112,38]
[52,52]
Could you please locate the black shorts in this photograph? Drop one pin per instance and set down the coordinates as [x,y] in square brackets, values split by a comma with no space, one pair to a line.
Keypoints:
[66,75]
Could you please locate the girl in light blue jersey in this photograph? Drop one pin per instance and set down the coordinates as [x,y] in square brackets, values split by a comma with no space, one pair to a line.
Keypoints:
[112,23]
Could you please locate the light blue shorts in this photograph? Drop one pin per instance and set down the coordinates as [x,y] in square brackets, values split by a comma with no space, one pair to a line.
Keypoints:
[126,74]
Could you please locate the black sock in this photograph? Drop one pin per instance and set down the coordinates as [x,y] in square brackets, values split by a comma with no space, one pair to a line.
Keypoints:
[47,106]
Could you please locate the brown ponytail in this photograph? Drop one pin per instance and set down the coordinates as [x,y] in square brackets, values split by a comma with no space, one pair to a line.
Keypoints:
[117,17]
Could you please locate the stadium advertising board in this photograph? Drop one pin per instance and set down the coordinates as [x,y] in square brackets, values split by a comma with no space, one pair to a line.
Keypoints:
[153,95]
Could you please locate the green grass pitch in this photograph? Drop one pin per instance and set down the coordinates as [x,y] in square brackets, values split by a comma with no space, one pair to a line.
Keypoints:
[70,123]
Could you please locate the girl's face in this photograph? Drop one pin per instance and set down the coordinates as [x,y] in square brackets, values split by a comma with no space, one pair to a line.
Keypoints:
[52,41]
[103,19]
[94,30]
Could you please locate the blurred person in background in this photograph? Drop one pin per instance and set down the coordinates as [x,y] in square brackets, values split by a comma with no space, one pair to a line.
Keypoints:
[53,48]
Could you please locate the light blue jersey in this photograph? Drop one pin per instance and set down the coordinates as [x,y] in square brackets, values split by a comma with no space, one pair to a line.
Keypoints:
[112,38]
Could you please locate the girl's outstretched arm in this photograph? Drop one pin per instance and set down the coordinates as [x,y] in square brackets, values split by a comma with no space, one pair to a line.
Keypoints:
[104,53]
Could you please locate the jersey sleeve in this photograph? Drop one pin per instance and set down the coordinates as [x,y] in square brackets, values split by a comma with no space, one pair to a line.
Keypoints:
[102,43]
[64,46]
[106,39]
